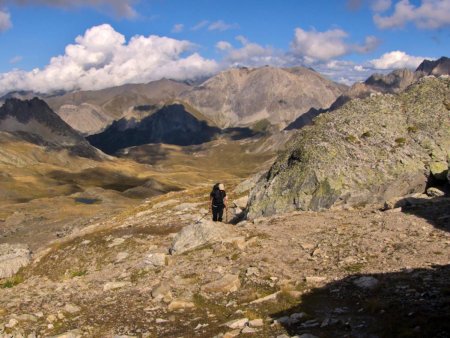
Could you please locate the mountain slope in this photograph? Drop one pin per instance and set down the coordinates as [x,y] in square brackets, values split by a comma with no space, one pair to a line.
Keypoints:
[241,97]
[35,122]
[91,111]
[367,152]
[172,124]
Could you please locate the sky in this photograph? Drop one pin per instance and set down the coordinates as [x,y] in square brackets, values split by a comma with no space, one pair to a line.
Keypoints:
[53,45]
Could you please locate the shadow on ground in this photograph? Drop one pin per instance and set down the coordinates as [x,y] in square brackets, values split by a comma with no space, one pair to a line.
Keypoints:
[407,303]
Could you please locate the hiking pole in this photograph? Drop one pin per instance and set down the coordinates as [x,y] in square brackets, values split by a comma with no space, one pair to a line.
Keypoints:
[198,221]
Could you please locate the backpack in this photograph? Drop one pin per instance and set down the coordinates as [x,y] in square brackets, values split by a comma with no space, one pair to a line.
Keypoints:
[217,196]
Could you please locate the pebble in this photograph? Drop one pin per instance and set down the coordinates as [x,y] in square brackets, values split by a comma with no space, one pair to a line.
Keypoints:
[115,285]
[116,242]
[366,282]
[237,323]
[256,323]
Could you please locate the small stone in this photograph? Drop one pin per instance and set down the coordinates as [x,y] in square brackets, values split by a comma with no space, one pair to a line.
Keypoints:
[12,322]
[155,260]
[248,330]
[50,326]
[308,335]
[232,334]
[115,285]
[121,256]
[178,304]
[256,323]
[283,336]
[51,318]
[270,297]
[228,283]
[252,271]
[237,323]
[366,282]
[116,242]
[71,308]
[160,320]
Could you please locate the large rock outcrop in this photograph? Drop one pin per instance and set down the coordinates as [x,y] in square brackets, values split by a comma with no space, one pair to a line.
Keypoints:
[366,152]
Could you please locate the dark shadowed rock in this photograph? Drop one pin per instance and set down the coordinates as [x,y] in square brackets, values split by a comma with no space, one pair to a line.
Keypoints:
[436,68]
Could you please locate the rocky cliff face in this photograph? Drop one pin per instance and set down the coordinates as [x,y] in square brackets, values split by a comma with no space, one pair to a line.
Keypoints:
[34,121]
[244,96]
[366,152]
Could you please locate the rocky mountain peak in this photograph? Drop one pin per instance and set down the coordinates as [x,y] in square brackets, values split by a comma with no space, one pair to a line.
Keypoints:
[244,96]
[437,67]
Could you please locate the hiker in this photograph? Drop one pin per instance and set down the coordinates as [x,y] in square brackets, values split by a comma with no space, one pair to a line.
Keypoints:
[218,199]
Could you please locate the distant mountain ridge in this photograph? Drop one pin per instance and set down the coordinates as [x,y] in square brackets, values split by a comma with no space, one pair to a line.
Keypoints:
[34,121]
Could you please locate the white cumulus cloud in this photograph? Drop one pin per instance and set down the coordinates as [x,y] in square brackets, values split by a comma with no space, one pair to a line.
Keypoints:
[429,14]
[103,58]
[251,54]
[314,45]
[396,59]
[5,21]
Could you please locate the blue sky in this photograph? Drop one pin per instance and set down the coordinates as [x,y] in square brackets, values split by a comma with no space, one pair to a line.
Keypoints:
[346,40]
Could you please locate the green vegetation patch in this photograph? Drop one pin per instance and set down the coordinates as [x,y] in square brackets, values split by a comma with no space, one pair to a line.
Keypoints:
[12,282]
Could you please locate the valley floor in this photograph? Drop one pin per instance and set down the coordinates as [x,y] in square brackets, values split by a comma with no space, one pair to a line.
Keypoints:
[353,273]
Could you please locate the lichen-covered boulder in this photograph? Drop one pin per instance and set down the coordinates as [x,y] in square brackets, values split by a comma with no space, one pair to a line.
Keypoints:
[201,233]
[367,152]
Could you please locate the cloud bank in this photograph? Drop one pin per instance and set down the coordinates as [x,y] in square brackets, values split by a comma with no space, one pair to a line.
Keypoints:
[103,58]
[430,14]
[323,46]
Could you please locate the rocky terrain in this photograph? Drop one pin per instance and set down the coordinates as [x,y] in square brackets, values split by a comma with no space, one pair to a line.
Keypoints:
[352,273]
[244,96]
[369,151]
[347,234]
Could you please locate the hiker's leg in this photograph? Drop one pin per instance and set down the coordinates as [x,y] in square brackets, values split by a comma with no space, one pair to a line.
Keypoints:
[215,213]
[220,212]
